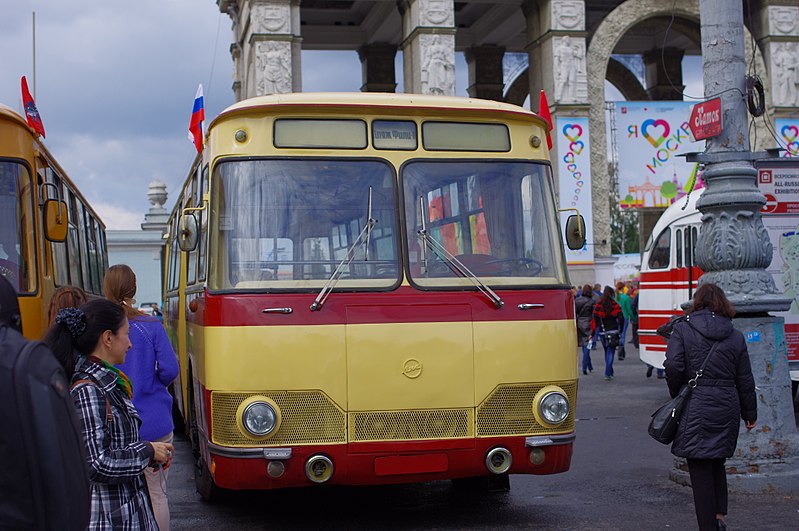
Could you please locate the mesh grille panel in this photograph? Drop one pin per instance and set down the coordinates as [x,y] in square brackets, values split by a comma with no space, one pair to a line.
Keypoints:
[307,417]
[509,411]
[411,425]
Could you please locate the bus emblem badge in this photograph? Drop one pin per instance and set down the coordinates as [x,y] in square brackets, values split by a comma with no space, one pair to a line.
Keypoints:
[412,368]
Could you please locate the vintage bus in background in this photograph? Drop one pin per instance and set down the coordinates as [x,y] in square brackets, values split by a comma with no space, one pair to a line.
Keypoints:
[369,289]
[669,277]
[49,235]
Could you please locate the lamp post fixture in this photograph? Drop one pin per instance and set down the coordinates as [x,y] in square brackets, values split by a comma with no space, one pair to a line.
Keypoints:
[734,251]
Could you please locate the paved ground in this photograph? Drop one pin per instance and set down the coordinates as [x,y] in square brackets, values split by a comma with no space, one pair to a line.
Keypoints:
[618,481]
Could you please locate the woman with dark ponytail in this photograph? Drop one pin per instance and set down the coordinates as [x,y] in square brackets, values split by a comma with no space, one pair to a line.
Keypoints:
[88,342]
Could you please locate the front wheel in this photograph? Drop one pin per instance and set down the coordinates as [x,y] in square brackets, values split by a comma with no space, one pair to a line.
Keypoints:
[204,483]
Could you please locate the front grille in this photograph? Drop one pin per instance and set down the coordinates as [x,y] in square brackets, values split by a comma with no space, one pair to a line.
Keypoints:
[509,411]
[411,424]
[307,417]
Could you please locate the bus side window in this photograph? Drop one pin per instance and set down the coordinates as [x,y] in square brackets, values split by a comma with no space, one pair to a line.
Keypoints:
[692,246]
[679,246]
[659,259]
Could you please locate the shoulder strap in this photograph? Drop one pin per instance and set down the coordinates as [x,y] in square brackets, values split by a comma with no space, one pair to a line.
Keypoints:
[109,417]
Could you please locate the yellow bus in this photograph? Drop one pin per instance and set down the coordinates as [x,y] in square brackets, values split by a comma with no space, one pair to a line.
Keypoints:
[371,289]
[49,235]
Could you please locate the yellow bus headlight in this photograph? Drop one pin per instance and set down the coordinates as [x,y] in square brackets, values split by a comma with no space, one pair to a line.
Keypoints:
[258,417]
[551,405]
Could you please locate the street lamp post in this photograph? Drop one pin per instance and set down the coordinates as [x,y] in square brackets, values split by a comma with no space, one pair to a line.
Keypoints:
[734,251]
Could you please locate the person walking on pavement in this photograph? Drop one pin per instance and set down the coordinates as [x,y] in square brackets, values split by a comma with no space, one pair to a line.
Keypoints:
[624,302]
[596,294]
[708,431]
[609,320]
[584,309]
[152,365]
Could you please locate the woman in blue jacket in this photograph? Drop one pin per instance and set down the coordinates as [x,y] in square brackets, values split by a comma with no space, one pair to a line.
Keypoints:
[151,365]
[725,394]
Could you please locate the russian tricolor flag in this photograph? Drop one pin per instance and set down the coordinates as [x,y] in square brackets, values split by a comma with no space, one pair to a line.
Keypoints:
[197,118]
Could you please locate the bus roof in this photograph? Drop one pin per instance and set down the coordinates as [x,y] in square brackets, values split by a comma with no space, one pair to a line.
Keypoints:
[340,100]
[678,210]
[7,113]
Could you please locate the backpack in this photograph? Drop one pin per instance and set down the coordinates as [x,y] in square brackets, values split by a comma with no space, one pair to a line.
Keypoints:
[44,481]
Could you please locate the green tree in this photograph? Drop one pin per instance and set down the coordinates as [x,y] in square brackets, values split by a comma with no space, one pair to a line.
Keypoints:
[624,232]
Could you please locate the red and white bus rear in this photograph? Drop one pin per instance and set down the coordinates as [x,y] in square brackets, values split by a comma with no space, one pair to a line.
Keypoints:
[669,278]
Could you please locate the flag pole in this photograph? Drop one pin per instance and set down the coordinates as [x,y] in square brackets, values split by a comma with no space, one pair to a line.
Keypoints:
[34,55]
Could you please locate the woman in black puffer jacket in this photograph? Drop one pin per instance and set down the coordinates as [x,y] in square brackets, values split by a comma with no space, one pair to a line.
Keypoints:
[708,432]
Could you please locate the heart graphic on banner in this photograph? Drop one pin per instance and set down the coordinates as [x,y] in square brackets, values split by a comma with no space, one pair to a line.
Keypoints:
[655,126]
[790,129]
[568,158]
[577,147]
[572,132]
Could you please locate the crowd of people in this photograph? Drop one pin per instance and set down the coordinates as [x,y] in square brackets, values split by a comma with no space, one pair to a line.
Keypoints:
[605,316]
[118,362]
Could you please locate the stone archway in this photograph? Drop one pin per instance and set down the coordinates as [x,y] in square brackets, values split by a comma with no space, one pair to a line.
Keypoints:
[603,41]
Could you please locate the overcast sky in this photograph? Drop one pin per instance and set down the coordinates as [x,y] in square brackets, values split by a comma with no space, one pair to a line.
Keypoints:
[115,83]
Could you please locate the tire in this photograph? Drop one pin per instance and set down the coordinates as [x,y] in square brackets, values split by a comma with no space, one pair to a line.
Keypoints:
[483,484]
[794,387]
[204,483]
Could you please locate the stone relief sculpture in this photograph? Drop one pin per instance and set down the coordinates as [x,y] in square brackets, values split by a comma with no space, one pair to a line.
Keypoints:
[783,20]
[438,66]
[273,67]
[568,15]
[270,18]
[785,74]
[436,12]
[570,76]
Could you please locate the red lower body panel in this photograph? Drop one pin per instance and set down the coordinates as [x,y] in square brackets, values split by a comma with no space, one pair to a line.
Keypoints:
[390,462]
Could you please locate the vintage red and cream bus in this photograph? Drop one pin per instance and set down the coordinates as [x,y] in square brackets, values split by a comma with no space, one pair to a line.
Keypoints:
[669,276]
[49,234]
[370,289]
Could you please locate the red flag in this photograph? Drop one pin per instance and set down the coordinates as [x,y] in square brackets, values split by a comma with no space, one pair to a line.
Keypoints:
[196,122]
[31,113]
[543,112]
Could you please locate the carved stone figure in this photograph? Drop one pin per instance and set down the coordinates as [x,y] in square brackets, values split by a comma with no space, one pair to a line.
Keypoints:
[271,18]
[786,74]
[570,63]
[568,15]
[273,68]
[438,66]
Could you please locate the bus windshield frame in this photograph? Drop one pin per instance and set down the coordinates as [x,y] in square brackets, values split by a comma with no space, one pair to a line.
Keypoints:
[17,263]
[494,216]
[285,224]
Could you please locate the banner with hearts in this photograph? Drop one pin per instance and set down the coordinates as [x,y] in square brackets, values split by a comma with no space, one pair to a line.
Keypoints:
[649,137]
[788,136]
[572,161]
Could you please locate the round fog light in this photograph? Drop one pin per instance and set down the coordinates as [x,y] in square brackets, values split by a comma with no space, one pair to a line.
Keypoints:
[319,468]
[259,418]
[498,460]
[537,456]
[275,469]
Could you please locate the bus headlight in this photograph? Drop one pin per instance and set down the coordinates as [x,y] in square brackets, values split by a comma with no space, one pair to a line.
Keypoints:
[259,417]
[551,405]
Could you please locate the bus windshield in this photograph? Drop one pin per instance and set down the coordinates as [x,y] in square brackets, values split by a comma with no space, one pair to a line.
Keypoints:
[495,218]
[287,224]
[14,225]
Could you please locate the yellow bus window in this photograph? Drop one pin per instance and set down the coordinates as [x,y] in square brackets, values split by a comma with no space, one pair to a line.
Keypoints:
[452,136]
[306,133]
[394,134]
[15,227]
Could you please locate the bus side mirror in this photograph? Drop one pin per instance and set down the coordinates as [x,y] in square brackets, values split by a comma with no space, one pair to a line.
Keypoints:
[55,220]
[575,232]
[187,235]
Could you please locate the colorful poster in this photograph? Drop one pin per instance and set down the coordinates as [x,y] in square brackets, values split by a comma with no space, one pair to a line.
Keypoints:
[573,165]
[788,136]
[783,232]
[650,136]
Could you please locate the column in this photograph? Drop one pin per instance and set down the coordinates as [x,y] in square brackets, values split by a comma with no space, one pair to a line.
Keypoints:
[485,72]
[377,67]
[428,46]
[267,36]
[782,27]
[664,69]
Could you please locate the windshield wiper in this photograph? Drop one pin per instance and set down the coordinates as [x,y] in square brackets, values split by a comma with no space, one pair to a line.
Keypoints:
[348,257]
[458,267]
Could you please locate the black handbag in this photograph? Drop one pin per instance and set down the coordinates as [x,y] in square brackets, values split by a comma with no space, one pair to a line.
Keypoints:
[666,328]
[666,418]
